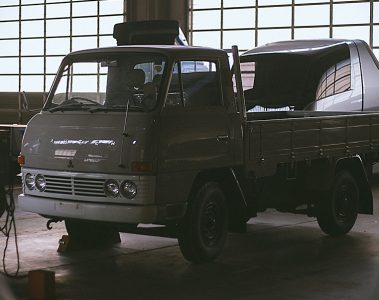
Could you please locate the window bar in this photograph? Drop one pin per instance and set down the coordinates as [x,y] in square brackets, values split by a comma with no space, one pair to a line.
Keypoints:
[222,25]
[44,49]
[256,23]
[331,19]
[292,19]
[19,63]
[371,24]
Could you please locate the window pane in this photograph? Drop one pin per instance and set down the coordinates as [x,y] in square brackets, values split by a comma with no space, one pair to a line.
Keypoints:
[84,26]
[107,41]
[273,35]
[87,8]
[274,16]
[311,33]
[239,18]
[81,43]
[274,2]
[376,12]
[32,12]
[52,64]
[9,13]
[207,39]
[32,29]
[32,65]
[207,19]
[376,52]
[312,15]
[30,1]
[107,23]
[31,83]
[312,1]
[236,3]
[9,83]
[111,7]
[9,65]
[353,32]
[206,4]
[84,83]
[85,68]
[9,47]
[244,39]
[32,47]
[57,46]
[58,10]
[342,13]
[9,30]
[376,35]
[57,27]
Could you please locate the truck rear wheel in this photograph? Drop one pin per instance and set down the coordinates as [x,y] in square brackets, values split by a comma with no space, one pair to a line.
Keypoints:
[91,232]
[203,231]
[337,212]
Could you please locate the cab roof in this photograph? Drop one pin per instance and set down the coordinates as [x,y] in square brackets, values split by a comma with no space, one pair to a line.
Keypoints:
[168,50]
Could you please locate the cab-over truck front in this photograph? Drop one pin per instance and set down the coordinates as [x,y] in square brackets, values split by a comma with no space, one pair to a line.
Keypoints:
[156,134]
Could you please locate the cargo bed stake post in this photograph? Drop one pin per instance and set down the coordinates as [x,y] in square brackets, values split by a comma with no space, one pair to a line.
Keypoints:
[239,87]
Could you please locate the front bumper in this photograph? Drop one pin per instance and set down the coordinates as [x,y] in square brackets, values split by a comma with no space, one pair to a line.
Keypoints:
[101,212]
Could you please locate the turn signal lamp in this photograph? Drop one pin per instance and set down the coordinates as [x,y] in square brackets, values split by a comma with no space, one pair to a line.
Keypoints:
[21,160]
[142,166]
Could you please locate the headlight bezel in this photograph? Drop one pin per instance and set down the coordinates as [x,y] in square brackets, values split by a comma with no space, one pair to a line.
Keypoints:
[112,188]
[30,183]
[129,189]
[40,182]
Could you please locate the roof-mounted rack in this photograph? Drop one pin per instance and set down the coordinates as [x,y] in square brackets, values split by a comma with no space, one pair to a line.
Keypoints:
[156,32]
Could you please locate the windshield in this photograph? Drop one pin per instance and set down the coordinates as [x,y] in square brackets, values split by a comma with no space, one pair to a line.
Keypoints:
[109,83]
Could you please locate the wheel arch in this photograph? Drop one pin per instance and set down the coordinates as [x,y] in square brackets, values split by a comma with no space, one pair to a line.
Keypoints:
[355,167]
[224,177]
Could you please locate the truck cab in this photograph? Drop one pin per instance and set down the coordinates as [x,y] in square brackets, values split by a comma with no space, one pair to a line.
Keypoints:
[120,130]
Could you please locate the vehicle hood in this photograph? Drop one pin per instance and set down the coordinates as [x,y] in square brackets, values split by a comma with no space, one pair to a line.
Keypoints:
[85,142]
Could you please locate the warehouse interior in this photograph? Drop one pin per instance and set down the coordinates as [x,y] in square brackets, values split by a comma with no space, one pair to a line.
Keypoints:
[279,256]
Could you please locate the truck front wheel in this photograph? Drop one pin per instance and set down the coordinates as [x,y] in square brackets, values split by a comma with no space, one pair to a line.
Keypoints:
[337,212]
[203,230]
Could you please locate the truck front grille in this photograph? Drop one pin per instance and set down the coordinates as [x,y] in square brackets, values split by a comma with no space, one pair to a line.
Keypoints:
[74,186]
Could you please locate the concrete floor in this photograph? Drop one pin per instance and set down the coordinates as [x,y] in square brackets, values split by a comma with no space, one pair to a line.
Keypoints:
[282,256]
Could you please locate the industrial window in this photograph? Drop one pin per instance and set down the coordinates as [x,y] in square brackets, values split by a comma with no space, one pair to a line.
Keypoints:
[36,34]
[195,83]
[251,23]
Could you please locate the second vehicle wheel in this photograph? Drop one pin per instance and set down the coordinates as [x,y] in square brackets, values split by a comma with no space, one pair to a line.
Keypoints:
[203,231]
[91,232]
[337,212]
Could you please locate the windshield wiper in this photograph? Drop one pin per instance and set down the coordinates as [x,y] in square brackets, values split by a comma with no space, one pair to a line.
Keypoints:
[115,108]
[69,106]
[74,102]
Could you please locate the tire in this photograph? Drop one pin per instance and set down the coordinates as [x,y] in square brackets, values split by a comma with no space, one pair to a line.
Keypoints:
[91,232]
[203,230]
[338,211]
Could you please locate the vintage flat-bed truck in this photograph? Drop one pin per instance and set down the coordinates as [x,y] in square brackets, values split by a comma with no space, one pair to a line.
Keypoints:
[157,134]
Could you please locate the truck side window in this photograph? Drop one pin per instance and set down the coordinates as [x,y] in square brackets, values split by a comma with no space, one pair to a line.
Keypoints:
[335,80]
[194,84]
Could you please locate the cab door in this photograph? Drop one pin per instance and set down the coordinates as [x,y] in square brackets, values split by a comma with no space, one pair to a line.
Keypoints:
[195,123]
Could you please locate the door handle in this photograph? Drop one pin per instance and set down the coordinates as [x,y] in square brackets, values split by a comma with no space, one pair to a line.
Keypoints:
[223,138]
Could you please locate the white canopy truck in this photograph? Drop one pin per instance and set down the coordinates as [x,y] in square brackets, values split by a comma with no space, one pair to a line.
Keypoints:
[139,134]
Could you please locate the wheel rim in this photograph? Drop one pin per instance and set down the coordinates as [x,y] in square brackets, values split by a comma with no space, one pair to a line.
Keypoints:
[344,203]
[211,223]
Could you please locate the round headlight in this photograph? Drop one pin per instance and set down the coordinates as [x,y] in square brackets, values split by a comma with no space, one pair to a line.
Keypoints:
[40,182]
[111,188]
[128,189]
[30,182]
